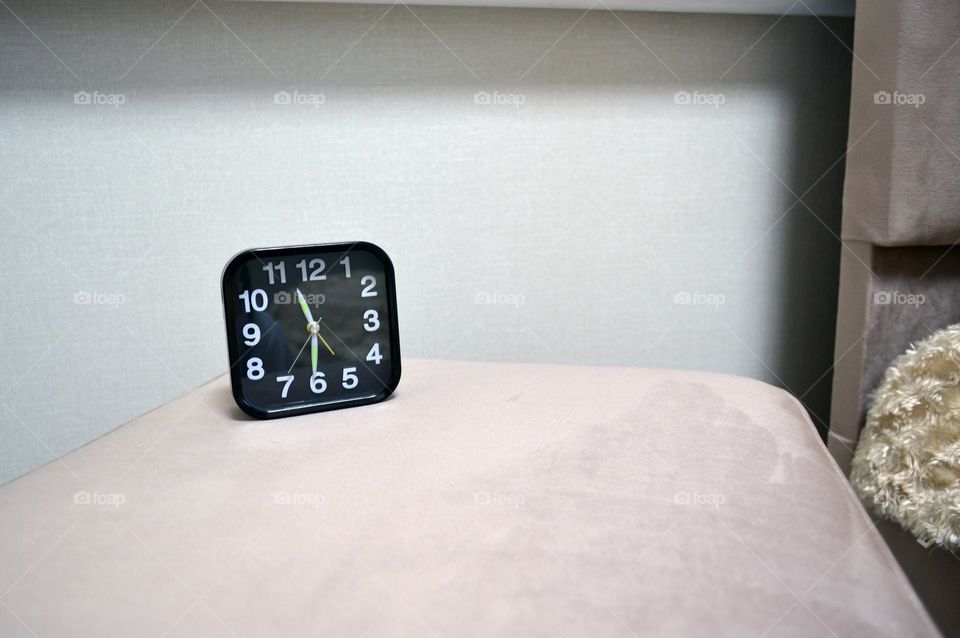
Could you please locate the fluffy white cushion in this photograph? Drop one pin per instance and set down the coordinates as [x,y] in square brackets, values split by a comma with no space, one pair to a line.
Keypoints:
[907,464]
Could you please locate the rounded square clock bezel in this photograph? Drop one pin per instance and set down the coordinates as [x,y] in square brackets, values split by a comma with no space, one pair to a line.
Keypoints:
[230,315]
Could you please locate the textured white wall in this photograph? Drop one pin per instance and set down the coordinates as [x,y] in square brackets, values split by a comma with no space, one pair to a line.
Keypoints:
[584,210]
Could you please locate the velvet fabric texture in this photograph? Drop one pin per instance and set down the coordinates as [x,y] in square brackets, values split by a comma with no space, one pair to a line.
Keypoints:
[481,500]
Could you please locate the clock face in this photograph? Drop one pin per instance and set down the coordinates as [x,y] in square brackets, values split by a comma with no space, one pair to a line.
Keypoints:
[311,328]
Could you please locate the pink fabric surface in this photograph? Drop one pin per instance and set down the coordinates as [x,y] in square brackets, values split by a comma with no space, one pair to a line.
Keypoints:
[482,499]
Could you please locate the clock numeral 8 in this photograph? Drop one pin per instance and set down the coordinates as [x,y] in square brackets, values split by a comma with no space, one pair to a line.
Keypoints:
[255,368]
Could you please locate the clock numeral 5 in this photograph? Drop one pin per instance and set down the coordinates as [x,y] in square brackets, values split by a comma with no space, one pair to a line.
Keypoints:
[350,379]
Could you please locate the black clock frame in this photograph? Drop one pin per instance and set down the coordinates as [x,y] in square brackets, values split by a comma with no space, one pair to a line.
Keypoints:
[230,315]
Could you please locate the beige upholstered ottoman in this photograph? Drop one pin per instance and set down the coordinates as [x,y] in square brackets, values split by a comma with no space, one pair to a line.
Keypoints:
[482,499]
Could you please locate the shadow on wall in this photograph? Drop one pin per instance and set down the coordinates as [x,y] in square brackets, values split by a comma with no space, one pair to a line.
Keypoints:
[555,186]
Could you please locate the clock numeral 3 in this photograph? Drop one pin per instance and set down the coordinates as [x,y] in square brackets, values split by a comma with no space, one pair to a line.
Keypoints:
[371,320]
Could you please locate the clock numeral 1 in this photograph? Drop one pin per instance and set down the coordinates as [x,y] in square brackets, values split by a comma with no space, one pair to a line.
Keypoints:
[269,268]
[346,266]
[374,354]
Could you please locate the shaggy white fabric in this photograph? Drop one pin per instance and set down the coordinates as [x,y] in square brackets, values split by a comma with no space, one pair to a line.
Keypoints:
[907,464]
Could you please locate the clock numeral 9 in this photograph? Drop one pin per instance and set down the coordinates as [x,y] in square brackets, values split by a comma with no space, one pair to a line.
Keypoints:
[269,268]
[255,368]
[257,300]
[369,282]
[371,320]
[350,379]
[316,274]
[251,333]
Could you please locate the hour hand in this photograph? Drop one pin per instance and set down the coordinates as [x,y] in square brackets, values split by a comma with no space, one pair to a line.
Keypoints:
[304,307]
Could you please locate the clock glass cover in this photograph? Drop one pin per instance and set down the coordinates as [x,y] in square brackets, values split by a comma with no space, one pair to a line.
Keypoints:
[311,328]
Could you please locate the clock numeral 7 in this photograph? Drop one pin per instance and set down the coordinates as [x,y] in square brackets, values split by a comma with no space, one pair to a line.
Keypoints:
[286,380]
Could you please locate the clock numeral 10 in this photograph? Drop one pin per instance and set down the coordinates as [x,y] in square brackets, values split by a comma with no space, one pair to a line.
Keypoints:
[255,300]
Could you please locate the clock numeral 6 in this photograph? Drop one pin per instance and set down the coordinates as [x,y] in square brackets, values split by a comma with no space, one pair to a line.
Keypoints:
[350,379]
[256,300]
[255,368]
[371,320]
[317,383]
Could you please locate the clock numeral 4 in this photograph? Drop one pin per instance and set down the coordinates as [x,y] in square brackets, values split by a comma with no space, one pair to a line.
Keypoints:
[350,379]
[374,354]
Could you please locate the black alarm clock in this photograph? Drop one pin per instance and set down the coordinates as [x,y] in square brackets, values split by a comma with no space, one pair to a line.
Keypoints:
[311,328]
